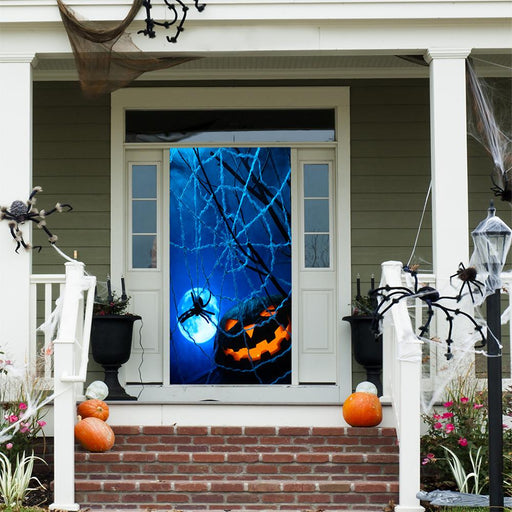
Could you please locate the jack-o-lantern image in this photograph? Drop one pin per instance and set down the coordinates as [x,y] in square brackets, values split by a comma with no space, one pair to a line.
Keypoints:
[254,340]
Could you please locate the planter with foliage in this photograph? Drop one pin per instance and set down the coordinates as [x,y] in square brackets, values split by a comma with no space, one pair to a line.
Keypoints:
[111,340]
[366,343]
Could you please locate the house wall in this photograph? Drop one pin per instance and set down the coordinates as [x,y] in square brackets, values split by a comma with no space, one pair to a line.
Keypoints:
[390,166]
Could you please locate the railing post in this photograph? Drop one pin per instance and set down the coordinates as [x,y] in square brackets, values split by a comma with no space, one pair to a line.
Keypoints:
[410,423]
[404,370]
[65,397]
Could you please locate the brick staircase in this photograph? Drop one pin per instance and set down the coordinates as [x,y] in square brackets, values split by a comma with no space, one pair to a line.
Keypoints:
[241,469]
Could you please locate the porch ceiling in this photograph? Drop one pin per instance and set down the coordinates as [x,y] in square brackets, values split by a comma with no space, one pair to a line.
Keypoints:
[281,67]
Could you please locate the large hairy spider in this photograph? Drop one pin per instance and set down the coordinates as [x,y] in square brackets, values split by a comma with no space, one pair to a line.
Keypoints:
[19,212]
[468,278]
[198,309]
[388,296]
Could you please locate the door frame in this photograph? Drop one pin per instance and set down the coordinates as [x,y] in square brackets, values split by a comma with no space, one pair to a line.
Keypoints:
[199,98]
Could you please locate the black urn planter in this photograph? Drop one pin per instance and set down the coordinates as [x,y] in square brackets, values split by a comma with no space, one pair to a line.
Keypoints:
[367,347]
[111,344]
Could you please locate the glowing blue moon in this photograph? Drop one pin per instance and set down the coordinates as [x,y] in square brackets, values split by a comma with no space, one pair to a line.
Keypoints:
[197,328]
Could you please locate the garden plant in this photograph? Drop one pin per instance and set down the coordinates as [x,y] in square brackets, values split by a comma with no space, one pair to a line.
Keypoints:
[455,446]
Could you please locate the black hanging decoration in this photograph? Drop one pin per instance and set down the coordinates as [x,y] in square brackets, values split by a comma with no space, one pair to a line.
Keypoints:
[388,296]
[179,18]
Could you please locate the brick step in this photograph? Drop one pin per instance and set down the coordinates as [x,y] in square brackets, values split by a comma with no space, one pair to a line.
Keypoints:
[206,465]
[235,494]
[241,468]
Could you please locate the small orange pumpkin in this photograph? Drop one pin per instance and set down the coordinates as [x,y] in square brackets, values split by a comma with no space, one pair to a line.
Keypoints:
[94,434]
[93,408]
[362,409]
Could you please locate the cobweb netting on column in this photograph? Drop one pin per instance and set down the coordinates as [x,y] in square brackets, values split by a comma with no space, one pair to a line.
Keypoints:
[230,265]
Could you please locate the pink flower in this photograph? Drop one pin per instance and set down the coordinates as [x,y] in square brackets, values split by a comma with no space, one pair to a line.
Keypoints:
[436,416]
[450,427]
[429,458]
[25,427]
[448,404]
[438,425]
[22,406]
[9,446]
[477,406]
[464,400]
[41,423]
[13,418]
[463,441]
[447,415]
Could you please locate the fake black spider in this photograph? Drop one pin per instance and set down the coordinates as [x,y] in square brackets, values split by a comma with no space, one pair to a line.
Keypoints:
[388,296]
[19,212]
[151,23]
[468,278]
[502,186]
[197,309]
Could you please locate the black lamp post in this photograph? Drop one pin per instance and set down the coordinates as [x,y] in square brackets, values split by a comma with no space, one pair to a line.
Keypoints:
[491,239]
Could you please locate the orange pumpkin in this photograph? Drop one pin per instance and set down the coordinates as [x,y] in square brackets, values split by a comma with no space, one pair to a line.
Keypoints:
[362,409]
[93,408]
[94,434]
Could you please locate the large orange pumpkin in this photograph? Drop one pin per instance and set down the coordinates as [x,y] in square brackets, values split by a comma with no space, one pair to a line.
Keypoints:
[94,434]
[362,409]
[93,408]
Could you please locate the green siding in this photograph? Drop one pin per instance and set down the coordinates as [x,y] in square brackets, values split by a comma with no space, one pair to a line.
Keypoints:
[72,164]
[390,174]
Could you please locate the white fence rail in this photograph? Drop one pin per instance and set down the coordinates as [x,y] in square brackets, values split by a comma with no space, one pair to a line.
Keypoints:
[45,289]
[402,359]
[65,305]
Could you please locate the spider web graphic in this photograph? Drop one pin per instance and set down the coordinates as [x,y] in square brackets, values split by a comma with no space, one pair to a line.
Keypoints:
[230,265]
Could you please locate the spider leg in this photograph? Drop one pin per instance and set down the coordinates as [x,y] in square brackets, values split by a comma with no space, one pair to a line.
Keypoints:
[31,201]
[16,234]
[209,299]
[179,28]
[204,316]
[478,285]
[449,319]
[430,315]
[58,208]
[42,225]
[378,313]
[4,214]
[198,6]
[185,316]
[451,297]
[475,324]
[35,190]
[470,291]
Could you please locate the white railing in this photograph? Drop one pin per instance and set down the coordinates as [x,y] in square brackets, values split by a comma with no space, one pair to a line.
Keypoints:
[70,316]
[44,290]
[402,369]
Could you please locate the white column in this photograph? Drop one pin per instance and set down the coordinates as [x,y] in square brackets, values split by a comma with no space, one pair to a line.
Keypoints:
[15,183]
[450,230]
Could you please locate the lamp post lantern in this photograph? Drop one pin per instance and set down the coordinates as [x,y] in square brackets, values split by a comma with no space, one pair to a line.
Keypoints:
[492,239]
